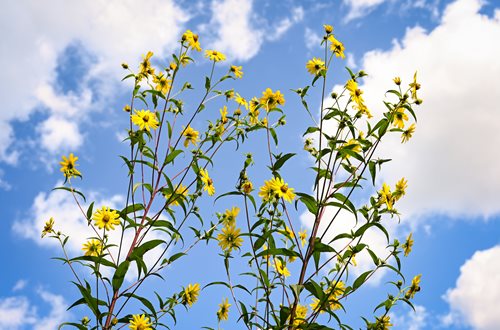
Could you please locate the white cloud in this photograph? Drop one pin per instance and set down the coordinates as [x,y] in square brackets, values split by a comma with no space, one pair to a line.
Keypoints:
[20,284]
[360,8]
[475,297]
[111,31]
[412,320]
[59,134]
[16,312]
[240,32]
[450,164]
[312,39]
[236,35]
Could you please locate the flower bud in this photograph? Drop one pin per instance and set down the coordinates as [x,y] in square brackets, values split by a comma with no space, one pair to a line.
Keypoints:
[334,95]
[125,65]
[397,81]
[328,28]
[127,108]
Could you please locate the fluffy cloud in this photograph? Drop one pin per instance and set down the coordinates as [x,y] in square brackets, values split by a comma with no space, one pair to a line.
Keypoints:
[240,32]
[449,164]
[412,320]
[475,297]
[17,312]
[360,8]
[112,31]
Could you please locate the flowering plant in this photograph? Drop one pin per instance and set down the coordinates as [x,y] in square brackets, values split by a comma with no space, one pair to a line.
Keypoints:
[302,278]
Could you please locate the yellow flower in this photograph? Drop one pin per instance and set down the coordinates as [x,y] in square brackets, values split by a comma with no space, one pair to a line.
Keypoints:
[223,114]
[315,66]
[282,189]
[48,228]
[383,323]
[184,60]
[162,83]
[191,136]
[215,55]
[145,119]
[247,187]
[386,196]
[300,315]
[415,86]
[281,268]
[223,312]
[208,182]
[92,248]
[414,287]
[106,218]
[303,237]
[192,40]
[241,101]
[333,296]
[172,66]
[401,187]
[399,117]
[140,322]
[397,80]
[328,28]
[408,133]
[408,245]
[180,189]
[229,239]
[336,47]
[237,71]
[190,294]
[271,99]
[69,166]
[145,68]
[230,216]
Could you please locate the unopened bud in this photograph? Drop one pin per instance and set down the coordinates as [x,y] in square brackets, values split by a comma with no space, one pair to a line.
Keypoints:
[127,108]
[125,65]
[328,28]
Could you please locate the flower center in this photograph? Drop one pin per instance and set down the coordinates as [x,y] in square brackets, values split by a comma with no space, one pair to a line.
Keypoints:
[105,218]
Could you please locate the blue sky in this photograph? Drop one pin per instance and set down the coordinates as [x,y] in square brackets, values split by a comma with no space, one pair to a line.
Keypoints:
[61,93]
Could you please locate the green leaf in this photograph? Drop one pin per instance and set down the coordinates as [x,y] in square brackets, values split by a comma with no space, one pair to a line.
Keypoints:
[72,190]
[139,251]
[119,275]
[274,135]
[89,211]
[131,208]
[172,155]
[309,202]
[281,160]
[360,280]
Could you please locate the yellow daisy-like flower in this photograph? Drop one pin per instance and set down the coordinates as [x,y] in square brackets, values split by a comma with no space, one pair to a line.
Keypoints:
[241,100]
[180,189]
[192,40]
[333,295]
[48,228]
[300,315]
[281,188]
[408,245]
[289,232]
[106,218]
[399,118]
[190,294]
[303,237]
[223,312]
[401,187]
[140,322]
[415,86]
[408,133]
[271,99]
[163,84]
[92,248]
[236,70]
[184,60]
[315,66]
[229,239]
[145,68]
[215,56]
[383,323]
[247,187]
[145,119]
[414,287]
[223,115]
[207,182]
[385,196]
[336,47]
[191,136]
[281,268]
[230,216]
[69,166]
[397,80]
